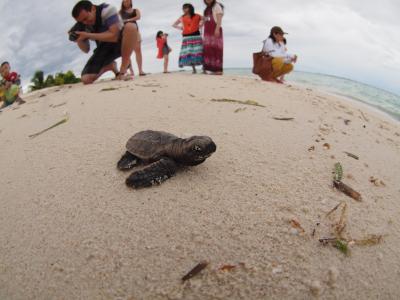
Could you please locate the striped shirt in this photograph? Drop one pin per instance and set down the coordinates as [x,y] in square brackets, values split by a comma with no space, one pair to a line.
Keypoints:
[109,17]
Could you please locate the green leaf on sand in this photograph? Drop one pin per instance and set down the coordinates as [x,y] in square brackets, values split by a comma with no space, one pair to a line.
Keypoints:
[338,172]
[341,246]
[65,120]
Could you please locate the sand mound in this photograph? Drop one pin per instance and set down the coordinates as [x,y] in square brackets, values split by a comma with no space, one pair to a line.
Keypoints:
[71,229]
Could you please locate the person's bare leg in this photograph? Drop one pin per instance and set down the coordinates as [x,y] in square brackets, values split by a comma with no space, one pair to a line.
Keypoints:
[194,69]
[131,69]
[139,58]
[166,61]
[129,43]
[90,78]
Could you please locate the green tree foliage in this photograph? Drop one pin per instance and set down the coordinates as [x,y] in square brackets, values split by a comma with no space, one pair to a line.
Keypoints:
[61,78]
[70,78]
[49,80]
[37,81]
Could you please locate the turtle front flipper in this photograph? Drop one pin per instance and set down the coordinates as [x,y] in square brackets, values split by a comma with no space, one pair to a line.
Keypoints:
[153,174]
[127,162]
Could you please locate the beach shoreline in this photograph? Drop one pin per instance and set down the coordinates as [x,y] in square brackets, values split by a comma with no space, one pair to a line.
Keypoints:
[256,210]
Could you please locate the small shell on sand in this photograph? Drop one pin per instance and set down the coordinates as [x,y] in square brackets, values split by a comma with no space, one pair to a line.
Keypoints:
[277,270]
[333,275]
[316,288]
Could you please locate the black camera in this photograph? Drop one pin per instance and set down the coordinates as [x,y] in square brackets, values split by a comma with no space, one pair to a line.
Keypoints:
[73,36]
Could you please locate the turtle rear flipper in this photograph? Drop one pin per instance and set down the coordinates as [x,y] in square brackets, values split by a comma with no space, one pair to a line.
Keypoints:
[153,174]
[127,162]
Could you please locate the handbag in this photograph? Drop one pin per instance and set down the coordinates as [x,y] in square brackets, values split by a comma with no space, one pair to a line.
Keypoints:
[262,65]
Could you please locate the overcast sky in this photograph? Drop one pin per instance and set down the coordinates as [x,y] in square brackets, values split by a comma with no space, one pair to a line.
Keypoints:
[357,39]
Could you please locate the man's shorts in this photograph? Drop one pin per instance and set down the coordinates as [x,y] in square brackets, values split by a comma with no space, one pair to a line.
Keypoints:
[103,55]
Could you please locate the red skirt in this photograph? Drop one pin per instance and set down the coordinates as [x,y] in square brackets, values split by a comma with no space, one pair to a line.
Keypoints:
[213,46]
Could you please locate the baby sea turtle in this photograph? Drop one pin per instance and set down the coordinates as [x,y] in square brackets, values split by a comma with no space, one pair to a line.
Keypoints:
[162,154]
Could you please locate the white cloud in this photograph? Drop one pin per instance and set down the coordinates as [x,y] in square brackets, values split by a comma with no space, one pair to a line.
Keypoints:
[355,39]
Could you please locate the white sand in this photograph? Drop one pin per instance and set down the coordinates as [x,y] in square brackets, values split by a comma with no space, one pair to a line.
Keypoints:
[71,229]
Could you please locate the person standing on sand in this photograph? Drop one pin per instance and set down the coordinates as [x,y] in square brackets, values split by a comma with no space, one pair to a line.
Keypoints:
[163,49]
[282,62]
[213,37]
[192,43]
[132,15]
[114,39]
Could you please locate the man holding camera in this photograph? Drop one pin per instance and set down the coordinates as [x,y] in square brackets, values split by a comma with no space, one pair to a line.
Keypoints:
[103,24]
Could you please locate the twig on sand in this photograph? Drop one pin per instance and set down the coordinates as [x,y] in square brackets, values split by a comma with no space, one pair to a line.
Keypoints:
[195,271]
[352,155]
[247,102]
[370,240]
[333,210]
[283,119]
[295,224]
[108,89]
[347,190]
[327,240]
[65,120]
[364,117]
[337,183]
[340,226]
[240,109]
[58,105]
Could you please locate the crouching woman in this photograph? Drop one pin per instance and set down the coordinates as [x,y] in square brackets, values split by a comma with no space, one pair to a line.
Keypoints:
[282,62]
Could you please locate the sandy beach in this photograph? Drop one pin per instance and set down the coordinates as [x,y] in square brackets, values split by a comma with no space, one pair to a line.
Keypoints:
[255,210]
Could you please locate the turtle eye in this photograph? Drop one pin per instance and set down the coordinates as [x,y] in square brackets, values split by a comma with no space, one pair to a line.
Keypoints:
[197,148]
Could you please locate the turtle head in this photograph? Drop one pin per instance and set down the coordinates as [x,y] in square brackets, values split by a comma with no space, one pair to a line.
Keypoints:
[197,149]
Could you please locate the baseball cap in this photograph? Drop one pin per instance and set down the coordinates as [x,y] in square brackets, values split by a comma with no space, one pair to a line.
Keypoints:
[277,29]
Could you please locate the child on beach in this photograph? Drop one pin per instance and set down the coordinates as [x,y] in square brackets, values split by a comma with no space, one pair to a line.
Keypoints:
[163,48]
[192,43]
[9,86]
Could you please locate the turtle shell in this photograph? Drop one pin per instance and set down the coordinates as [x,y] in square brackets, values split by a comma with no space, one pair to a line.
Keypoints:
[150,145]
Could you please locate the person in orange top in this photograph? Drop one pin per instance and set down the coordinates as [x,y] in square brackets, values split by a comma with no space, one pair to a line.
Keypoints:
[163,48]
[192,43]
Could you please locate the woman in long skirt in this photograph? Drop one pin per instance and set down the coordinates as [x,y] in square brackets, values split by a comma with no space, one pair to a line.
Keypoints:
[192,43]
[213,38]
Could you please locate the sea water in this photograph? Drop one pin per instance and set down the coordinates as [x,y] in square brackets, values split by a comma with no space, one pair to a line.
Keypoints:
[375,97]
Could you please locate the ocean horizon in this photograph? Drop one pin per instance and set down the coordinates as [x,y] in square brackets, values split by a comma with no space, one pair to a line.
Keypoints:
[375,97]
